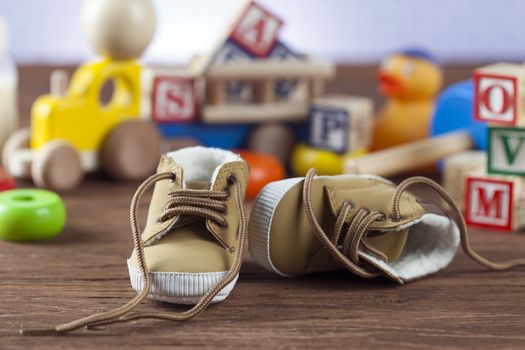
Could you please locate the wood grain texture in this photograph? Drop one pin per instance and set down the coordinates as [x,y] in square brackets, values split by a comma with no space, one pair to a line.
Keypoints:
[83,271]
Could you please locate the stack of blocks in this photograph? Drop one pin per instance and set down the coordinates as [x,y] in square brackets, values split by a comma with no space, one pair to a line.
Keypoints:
[494,192]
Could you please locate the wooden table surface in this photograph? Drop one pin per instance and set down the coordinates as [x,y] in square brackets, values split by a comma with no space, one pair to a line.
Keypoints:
[84,270]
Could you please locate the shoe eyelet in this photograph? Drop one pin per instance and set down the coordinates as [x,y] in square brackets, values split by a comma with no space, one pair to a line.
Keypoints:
[231,178]
[224,227]
[350,204]
[382,217]
[173,177]
[398,219]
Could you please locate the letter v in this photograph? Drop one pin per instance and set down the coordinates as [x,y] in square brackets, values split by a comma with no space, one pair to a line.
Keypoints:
[509,152]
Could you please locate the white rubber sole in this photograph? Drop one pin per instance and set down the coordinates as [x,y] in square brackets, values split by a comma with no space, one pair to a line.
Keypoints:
[181,287]
[261,221]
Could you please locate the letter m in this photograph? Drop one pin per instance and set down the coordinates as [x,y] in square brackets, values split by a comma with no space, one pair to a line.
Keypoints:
[489,203]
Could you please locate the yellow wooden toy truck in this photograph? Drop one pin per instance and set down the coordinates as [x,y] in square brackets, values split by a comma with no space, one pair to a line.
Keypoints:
[80,129]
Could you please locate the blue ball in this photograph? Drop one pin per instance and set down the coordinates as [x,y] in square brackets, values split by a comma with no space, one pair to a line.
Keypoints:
[454,112]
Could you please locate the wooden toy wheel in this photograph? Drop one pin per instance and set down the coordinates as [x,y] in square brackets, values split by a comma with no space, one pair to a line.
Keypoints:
[131,151]
[20,139]
[57,166]
[276,139]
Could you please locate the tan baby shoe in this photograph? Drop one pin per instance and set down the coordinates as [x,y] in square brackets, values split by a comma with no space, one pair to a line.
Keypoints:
[362,223]
[191,235]
[190,251]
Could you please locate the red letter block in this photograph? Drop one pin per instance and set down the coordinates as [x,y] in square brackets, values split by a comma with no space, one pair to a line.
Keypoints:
[499,95]
[174,99]
[257,30]
[489,203]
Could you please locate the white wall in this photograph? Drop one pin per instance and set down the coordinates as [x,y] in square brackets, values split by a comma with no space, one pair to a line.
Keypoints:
[356,31]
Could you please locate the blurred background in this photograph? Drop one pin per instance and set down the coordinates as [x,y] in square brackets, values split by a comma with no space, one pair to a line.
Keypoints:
[347,31]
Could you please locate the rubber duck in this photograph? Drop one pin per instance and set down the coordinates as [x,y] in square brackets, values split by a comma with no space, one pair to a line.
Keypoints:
[410,80]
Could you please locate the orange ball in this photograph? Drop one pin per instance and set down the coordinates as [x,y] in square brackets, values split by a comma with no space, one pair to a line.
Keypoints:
[264,168]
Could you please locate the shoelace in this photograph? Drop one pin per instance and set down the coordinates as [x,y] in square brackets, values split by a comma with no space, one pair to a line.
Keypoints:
[347,253]
[201,203]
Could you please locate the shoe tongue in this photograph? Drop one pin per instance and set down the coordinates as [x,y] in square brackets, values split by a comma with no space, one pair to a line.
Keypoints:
[199,185]
[391,244]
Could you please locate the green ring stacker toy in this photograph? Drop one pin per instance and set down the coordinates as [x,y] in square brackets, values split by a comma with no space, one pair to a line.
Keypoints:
[30,215]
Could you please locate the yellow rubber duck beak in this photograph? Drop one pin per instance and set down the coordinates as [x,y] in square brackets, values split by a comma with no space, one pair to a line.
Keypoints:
[404,77]
[390,84]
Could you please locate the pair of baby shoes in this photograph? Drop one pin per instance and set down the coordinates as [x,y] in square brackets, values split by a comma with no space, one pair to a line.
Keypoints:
[190,251]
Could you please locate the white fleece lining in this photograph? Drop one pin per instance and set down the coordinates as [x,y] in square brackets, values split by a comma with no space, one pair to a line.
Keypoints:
[431,246]
[181,287]
[202,163]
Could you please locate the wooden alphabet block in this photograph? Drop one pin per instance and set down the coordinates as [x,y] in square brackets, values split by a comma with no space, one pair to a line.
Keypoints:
[496,202]
[506,151]
[457,167]
[230,52]
[340,123]
[499,94]
[282,52]
[256,30]
[489,203]
[174,99]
